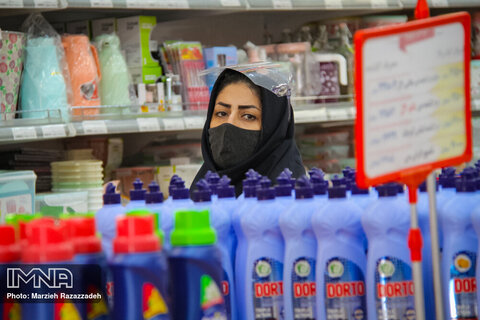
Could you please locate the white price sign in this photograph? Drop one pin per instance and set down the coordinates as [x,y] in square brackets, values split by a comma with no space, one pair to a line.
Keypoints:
[282,4]
[11,3]
[101,3]
[45,3]
[94,127]
[379,3]
[148,124]
[24,133]
[439,3]
[230,3]
[194,122]
[333,4]
[173,124]
[54,131]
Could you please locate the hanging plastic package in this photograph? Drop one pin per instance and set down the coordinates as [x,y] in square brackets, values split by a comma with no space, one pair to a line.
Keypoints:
[116,89]
[45,90]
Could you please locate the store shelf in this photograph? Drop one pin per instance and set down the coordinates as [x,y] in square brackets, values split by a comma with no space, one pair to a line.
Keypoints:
[160,4]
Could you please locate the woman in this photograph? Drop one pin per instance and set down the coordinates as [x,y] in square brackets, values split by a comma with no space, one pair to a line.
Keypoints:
[247,127]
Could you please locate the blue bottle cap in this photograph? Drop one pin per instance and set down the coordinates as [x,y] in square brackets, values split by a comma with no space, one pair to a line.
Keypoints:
[284,186]
[252,174]
[303,188]
[154,195]
[172,183]
[387,190]
[467,181]
[337,181]
[110,196]
[447,178]
[337,191]
[320,186]
[250,187]
[203,192]
[179,192]
[212,178]
[137,193]
[264,190]
[224,189]
[317,172]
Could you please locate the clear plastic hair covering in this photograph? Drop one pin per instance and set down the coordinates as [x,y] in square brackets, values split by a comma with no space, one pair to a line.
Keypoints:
[271,76]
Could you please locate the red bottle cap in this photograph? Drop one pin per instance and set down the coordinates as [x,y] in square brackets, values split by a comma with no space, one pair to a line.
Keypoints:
[9,248]
[46,242]
[135,234]
[83,235]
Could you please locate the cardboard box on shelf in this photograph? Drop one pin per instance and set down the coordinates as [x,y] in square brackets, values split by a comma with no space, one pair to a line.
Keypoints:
[147,75]
[79,27]
[134,34]
[103,26]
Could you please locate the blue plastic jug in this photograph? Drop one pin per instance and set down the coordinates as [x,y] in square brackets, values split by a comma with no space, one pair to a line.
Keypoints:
[137,196]
[283,190]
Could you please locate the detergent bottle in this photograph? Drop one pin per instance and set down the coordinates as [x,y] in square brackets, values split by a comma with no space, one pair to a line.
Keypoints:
[195,269]
[300,253]
[213,180]
[340,256]
[137,196]
[9,255]
[263,263]
[139,269]
[105,218]
[389,284]
[221,221]
[460,250]
[154,202]
[283,190]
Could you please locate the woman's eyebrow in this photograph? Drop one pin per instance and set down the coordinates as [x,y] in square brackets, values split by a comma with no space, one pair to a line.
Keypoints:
[223,104]
[248,107]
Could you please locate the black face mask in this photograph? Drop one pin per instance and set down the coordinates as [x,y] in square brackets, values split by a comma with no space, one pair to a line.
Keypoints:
[230,145]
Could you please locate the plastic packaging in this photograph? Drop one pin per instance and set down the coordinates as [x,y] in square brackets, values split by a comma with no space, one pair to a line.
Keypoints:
[389,285]
[45,80]
[221,221]
[300,253]
[341,261]
[139,270]
[154,201]
[137,196]
[460,250]
[263,263]
[195,269]
[105,218]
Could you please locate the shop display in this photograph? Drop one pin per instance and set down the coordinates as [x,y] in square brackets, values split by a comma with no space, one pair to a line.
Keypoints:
[55,204]
[137,196]
[17,192]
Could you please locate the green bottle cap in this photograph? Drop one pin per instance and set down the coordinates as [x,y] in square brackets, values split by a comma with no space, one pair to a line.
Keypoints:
[192,228]
[76,215]
[14,218]
[156,220]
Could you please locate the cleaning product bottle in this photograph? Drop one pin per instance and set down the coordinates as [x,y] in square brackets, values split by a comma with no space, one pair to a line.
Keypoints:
[195,269]
[154,202]
[341,261]
[476,225]
[180,201]
[9,254]
[171,185]
[213,179]
[137,196]
[362,197]
[90,258]
[139,270]
[244,206]
[389,284]
[19,222]
[227,201]
[300,251]
[283,190]
[47,244]
[106,216]
[320,185]
[460,251]
[221,221]
[263,274]
[424,223]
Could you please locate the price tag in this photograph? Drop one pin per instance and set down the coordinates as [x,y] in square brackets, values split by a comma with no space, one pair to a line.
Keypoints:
[148,124]
[172,124]
[101,3]
[54,131]
[194,122]
[11,4]
[230,3]
[379,3]
[94,127]
[338,114]
[282,4]
[24,133]
[333,4]
[45,3]
[440,3]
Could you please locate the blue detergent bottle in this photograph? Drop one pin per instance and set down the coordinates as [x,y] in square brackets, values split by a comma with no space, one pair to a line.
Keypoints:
[348,178]
[283,190]
[213,180]
[362,197]
[180,201]
[171,185]
[263,266]
[105,218]
[460,251]
[221,221]
[227,201]
[137,196]
[154,201]
[389,284]
[476,226]
[244,206]
[139,270]
[195,269]
[320,185]
[300,253]
[341,260]
[9,254]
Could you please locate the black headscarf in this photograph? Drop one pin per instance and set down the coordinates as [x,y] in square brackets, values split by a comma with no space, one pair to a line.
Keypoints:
[276,149]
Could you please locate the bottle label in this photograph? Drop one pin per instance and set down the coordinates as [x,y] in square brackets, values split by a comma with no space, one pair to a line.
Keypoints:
[462,287]
[96,310]
[394,290]
[211,300]
[226,293]
[344,290]
[303,288]
[154,306]
[268,289]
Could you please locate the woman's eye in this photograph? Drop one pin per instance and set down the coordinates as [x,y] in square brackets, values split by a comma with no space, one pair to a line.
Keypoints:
[249,117]
[221,114]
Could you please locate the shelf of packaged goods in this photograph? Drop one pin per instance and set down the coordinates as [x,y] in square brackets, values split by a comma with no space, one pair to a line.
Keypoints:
[17,5]
[29,131]
[161,4]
